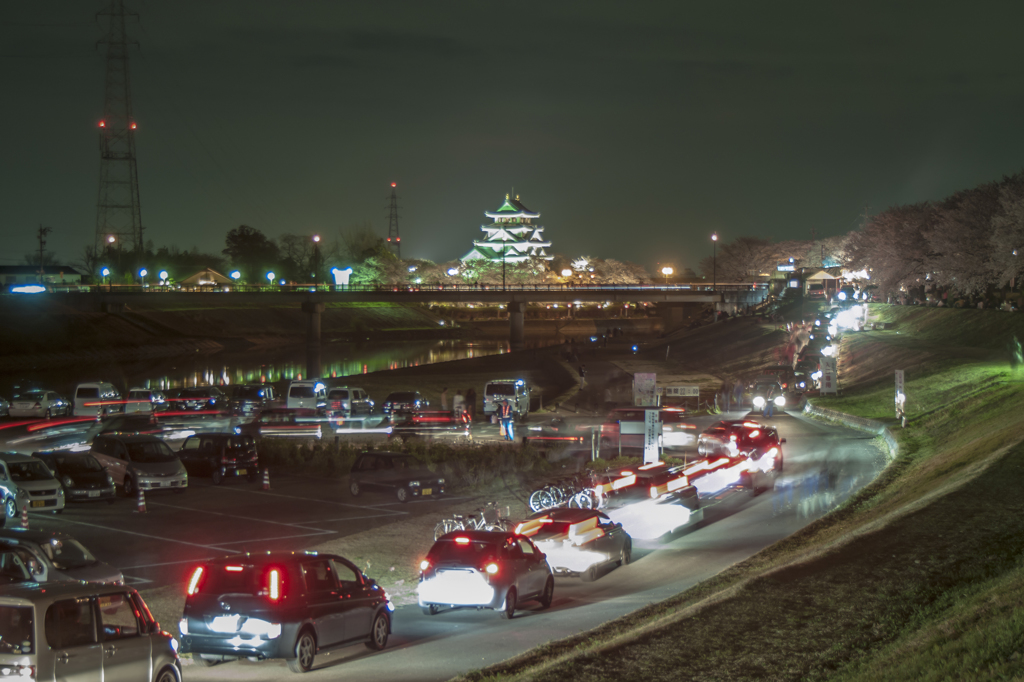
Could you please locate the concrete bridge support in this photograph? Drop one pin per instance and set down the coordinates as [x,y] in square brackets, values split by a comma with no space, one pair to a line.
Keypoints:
[677,315]
[516,334]
[313,311]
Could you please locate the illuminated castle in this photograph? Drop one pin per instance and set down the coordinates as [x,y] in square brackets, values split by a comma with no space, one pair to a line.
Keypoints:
[511,236]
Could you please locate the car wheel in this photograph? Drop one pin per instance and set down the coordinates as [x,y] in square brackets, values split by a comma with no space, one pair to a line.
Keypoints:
[548,595]
[167,675]
[305,651]
[402,494]
[10,508]
[378,633]
[217,476]
[626,554]
[430,609]
[701,449]
[129,486]
[589,575]
[354,488]
[509,610]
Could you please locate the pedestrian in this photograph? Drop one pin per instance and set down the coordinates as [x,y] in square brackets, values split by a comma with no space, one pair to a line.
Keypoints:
[458,403]
[505,416]
[444,398]
[471,402]
[769,403]
[583,375]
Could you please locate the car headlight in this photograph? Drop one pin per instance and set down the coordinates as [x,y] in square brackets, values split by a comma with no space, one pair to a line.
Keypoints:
[68,481]
[414,484]
[110,480]
[758,401]
[780,401]
[842,296]
[440,481]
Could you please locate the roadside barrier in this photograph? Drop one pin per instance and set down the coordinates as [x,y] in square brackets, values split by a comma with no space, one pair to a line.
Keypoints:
[140,506]
[24,517]
[266,478]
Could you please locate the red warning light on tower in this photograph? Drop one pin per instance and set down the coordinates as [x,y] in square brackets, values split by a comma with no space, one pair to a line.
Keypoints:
[133,126]
[394,184]
[103,124]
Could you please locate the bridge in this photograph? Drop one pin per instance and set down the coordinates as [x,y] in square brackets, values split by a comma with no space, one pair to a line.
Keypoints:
[671,299]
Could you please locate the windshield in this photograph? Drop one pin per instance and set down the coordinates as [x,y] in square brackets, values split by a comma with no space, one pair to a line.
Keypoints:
[501,389]
[301,392]
[29,471]
[16,629]
[66,554]
[79,464]
[251,392]
[150,452]
[31,395]
[470,553]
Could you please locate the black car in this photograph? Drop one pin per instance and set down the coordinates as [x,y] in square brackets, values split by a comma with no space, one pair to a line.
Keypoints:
[248,399]
[81,475]
[404,401]
[199,398]
[402,475]
[431,423]
[288,605]
[220,456]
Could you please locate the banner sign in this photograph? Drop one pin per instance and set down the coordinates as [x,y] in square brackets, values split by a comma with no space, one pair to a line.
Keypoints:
[828,375]
[652,429]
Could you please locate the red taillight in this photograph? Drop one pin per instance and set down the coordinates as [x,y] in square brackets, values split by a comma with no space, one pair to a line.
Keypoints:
[462,541]
[491,568]
[274,584]
[193,583]
[233,569]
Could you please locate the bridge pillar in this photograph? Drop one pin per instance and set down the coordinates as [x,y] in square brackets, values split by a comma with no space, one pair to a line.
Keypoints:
[313,311]
[515,325]
[677,315]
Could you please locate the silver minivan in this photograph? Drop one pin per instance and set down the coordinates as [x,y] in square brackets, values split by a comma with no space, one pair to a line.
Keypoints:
[97,398]
[83,631]
[306,395]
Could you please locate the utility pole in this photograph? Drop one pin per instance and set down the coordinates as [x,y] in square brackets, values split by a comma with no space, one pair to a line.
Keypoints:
[118,208]
[43,231]
[394,239]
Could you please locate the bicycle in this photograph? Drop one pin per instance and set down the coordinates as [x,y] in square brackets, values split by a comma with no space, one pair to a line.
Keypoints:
[489,517]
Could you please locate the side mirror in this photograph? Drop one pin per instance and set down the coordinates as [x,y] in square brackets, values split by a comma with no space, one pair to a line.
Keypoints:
[782,440]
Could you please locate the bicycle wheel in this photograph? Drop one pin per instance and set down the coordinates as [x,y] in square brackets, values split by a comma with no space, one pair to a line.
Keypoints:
[540,500]
[444,527]
[585,500]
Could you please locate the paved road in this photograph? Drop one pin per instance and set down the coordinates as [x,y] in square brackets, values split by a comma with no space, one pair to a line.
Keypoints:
[157,549]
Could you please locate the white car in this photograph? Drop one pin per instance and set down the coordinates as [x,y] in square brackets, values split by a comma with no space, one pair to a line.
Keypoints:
[144,400]
[39,403]
[31,475]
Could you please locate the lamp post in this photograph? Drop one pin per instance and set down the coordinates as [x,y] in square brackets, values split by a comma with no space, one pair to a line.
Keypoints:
[270,276]
[105,273]
[316,258]
[667,271]
[714,261]
[110,240]
[142,276]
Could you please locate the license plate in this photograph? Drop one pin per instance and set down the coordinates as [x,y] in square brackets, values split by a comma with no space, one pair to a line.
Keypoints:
[241,472]
[38,503]
[94,493]
[427,491]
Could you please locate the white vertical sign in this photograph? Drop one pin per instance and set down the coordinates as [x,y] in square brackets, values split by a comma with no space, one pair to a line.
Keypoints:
[828,375]
[901,397]
[652,429]
[645,387]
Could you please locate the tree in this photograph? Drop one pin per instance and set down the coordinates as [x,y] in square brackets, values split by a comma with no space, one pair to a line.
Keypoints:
[740,260]
[1006,242]
[250,251]
[892,247]
[959,239]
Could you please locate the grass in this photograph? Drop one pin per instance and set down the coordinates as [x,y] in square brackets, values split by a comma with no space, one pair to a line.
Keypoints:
[918,576]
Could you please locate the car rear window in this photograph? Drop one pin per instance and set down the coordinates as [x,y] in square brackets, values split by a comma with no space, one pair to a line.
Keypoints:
[253,392]
[501,389]
[16,629]
[150,452]
[301,392]
[338,395]
[472,552]
[232,579]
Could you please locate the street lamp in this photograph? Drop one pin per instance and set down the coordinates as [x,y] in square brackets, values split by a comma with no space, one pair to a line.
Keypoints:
[235,275]
[271,276]
[142,275]
[316,257]
[105,272]
[110,240]
[714,261]
[667,271]
[163,277]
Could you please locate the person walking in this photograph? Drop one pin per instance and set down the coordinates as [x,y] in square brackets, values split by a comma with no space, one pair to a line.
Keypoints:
[505,416]
[458,404]
[444,398]
[583,375]
[737,394]
[471,402]
[769,403]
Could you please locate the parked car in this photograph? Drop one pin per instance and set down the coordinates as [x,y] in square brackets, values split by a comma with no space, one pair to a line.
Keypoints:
[145,400]
[403,401]
[97,398]
[199,398]
[31,475]
[15,568]
[39,403]
[579,542]
[345,401]
[12,497]
[289,605]
[248,399]
[515,391]
[309,395]
[72,631]
[484,570]
[402,475]
[61,556]
[220,456]
[140,462]
[81,475]
[283,422]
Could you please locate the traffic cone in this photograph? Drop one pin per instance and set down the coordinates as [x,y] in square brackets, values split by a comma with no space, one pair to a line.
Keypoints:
[24,517]
[266,478]
[140,507]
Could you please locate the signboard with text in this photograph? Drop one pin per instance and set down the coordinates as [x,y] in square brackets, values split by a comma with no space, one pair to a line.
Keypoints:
[652,429]
[829,383]
[645,389]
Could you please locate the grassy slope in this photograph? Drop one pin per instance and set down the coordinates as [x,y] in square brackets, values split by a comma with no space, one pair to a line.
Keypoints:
[920,576]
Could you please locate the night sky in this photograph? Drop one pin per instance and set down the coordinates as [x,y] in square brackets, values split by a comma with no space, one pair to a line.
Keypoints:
[635,129]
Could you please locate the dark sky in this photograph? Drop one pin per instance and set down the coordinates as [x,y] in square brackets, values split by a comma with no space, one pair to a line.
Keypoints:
[635,129]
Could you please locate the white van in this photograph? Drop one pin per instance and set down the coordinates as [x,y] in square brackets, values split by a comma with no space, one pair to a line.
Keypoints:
[97,398]
[306,394]
[144,400]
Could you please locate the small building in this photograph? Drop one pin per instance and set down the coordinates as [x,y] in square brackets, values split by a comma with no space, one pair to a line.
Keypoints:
[512,236]
[30,274]
[206,277]
[829,278]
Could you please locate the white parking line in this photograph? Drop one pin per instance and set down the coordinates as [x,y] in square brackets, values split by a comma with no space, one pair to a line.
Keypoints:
[236,516]
[144,535]
[306,499]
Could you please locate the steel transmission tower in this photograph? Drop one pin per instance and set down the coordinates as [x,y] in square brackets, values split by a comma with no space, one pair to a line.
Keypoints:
[118,210]
[394,240]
